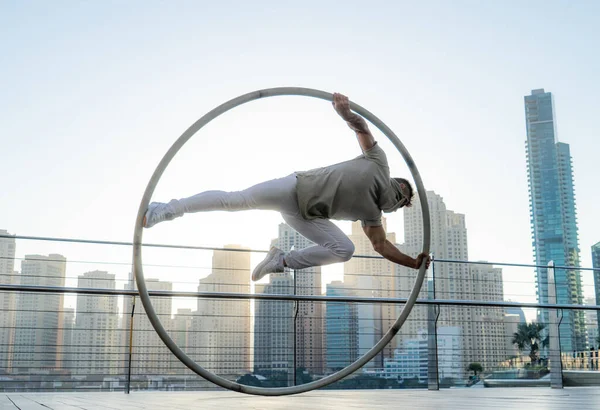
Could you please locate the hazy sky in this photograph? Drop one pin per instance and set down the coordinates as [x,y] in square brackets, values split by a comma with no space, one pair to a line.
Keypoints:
[94,93]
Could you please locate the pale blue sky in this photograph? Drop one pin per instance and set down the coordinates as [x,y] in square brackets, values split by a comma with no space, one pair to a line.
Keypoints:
[94,93]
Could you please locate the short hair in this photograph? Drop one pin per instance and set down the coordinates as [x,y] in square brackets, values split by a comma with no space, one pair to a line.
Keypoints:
[410,189]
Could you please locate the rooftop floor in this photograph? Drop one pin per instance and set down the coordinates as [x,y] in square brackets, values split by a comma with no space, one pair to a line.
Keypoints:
[498,398]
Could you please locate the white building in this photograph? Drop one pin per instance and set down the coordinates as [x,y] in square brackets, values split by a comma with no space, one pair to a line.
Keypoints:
[309,321]
[451,362]
[591,324]
[482,329]
[7,301]
[489,324]
[409,361]
[221,327]
[39,323]
[69,360]
[372,277]
[273,327]
[150,355]
[274,320]
[96,335]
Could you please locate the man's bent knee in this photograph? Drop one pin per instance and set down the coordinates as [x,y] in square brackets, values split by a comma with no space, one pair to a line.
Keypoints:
[344,251]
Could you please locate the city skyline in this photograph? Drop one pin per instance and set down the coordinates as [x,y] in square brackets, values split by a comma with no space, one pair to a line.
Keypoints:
[496,103]
[91,339]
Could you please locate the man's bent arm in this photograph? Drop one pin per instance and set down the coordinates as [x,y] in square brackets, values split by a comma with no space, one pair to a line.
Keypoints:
[387,249]
[354,121]
[393,254]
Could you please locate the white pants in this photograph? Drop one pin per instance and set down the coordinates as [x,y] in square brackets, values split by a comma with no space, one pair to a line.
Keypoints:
[332,245]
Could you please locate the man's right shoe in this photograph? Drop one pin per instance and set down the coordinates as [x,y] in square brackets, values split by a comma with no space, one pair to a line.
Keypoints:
[272,263]
[158,212]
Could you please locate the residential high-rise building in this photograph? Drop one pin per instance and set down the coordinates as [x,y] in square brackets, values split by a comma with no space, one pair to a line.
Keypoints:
[309,320]
[7,301]
[183,336]
[482,330]
[516,311]
[488,324]
[221,328]
[412,246]
[274,331]
[513,316]
[591,323]
[553,215]
[150,355]
[182,328]
[341,324]
[372,277]
[96,336]
[69,361]
[596,265]
[274,328]
[451,360]
[39,323]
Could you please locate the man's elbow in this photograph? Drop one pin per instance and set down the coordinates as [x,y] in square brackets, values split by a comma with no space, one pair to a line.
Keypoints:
[379,246]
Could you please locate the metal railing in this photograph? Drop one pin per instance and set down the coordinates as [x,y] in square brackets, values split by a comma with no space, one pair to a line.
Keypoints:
[288,333]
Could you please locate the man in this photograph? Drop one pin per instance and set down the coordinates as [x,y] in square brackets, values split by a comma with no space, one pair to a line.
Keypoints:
[359,189]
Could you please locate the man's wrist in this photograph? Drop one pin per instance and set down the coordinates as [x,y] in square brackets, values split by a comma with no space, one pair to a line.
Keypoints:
[416,263]
[357,123]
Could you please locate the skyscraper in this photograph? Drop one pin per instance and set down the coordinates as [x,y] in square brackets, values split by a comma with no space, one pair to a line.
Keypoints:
[273,327]
[553,215]
[7,300]
[274,331]
[372,277]
[95,337]
[150,355]
[221,334]
[39,324]
[488,324]
[309,321]
[481,330]
[69,361]
[591,323]
[183,335]
[341,324]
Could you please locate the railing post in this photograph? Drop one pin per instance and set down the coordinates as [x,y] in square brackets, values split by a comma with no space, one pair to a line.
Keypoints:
[296,308]
[130,337]
[556,376]
[433,312]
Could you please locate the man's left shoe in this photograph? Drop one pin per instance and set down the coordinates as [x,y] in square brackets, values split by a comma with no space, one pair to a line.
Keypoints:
[158,212]
[272,263]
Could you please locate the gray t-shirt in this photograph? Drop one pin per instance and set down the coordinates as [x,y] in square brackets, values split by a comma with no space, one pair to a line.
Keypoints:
[358,189]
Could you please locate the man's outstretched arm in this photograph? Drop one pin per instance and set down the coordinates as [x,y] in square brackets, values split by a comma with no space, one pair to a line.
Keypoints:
[388,250]
[354,121]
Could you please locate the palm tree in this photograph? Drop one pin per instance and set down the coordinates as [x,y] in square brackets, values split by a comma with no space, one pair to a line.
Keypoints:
[475,368]
[529,337]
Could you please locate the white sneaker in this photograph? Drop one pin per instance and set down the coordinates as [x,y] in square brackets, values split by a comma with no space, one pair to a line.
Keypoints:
[272,263]
[158,212]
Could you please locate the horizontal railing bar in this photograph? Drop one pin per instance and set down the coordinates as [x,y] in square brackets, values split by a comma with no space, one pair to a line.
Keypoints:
[209,248]
[120,243]
[517,265]
[292,298]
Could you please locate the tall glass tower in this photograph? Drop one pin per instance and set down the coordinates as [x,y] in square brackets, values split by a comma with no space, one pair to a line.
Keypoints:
[553,215]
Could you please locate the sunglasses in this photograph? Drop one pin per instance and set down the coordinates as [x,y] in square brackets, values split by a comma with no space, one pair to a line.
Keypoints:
[405,201]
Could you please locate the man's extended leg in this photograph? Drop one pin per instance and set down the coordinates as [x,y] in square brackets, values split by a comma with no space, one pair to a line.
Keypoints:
[277,195]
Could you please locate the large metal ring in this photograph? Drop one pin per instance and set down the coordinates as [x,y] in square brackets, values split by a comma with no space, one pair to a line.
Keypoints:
[137,247]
